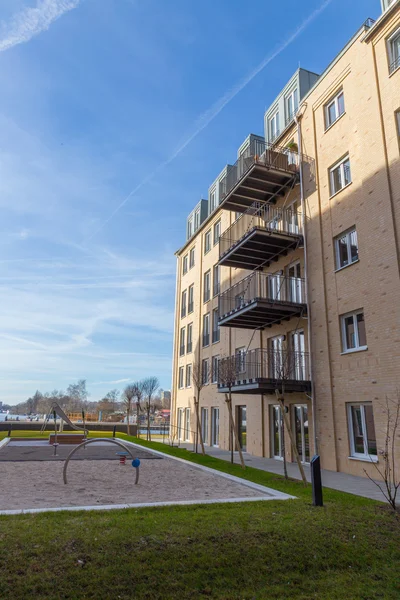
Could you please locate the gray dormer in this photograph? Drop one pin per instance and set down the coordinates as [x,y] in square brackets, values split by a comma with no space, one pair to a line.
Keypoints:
[196,218]
[214,191]
[282,111]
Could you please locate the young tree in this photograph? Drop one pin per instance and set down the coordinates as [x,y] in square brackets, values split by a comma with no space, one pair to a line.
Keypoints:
[227,375]
[150,386]
[390,471]
[127,397]
[78,395]
[284,366]
[139,391]
[112,397]
[198,378]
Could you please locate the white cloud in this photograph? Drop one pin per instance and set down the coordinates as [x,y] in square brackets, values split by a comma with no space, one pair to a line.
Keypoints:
[31,21]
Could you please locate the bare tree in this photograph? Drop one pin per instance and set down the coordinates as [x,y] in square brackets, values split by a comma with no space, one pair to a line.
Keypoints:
[198,378]
[285,365]
[150,386]
[112,397]
[389,472]
[139,391]
[228,369]
[127,397]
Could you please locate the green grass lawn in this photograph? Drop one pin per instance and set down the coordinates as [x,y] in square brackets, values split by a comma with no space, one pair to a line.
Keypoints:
[349,549]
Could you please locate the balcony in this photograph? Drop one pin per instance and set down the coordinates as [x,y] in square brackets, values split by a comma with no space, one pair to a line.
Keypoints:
[261,300]
[259,177]
[263,371]
[260,236]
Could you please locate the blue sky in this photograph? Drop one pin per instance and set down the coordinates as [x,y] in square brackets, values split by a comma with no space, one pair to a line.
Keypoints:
[97,97]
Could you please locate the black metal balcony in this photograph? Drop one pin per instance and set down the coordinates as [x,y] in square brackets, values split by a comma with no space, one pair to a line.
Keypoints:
[261,300]
[260,236]
[260,174]
[263,371]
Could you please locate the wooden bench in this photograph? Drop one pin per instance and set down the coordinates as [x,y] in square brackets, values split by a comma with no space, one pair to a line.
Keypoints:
[67,438]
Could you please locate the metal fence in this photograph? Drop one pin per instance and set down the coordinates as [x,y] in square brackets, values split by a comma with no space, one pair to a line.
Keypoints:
[275,288]
[264,216]
[281,365]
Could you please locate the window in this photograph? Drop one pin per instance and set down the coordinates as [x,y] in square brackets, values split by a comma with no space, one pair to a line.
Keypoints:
[189,344]
[215,426]
[214,369]
[207,241]
[185,264]
[340,175]
[197,219]
[353,331]
[179,424]
[187,424]
[394,52]
[191,299]
[273,127]
[217,231]
[334,109]
[362,431]
[182,342]
[190,227]
[204,371]
[238,214]
[292,104]
[397,115]
[206,330]
[216,283]
[188,378]
[183,304]
[240,359]
[213,201]
[204,425]
[215,332]
[346,247]
[180,381]
[191,258]
[207,286]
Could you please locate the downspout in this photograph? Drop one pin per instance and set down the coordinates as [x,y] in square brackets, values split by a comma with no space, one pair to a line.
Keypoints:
[175,356]
[303,217]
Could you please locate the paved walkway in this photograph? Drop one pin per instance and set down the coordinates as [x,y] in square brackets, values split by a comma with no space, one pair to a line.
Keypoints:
[360,486]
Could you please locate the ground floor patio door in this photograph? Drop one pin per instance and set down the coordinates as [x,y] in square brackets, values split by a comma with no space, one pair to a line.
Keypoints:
[301,431]
[215,426]
[242,427]
[276,432]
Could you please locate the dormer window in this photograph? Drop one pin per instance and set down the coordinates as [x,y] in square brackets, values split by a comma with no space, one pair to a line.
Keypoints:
[292,104]
[273,127]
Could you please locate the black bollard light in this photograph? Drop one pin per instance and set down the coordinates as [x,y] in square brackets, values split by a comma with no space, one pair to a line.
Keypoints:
[316,481]
[114,430]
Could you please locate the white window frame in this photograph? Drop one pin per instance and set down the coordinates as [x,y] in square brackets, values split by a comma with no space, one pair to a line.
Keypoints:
[191,258]
[240,354]
[181,378]
[215,430]
[189,339]
[207,241]
[207,288]
[347,235]
[353,453]
[216,281]
[182,345]
[204,420]
[214,371]
[217,330]
[334,101]
[179,424]
[190,292]
[273,125]
[216,229]
[185,264]
[357,346]
[184,304]
[206,319]
[291,96]
[205,380]
[190,227]
[213,200]
[397,117]
[196,220]
[188,371]
[339,165]
[394,60]
[187,424]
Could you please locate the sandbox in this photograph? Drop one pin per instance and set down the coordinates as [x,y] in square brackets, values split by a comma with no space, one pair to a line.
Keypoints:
[31,480]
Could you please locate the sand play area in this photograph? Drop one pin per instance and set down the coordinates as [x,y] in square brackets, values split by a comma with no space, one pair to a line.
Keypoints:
[31,478]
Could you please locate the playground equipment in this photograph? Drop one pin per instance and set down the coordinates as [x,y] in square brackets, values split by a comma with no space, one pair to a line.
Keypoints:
[122,457]
[56,410]
[135,461]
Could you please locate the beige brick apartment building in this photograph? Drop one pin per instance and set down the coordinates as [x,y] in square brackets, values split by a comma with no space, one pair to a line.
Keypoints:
[290,271]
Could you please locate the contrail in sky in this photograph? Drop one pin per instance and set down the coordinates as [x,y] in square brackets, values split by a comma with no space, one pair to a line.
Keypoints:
[29,22]
[209,115]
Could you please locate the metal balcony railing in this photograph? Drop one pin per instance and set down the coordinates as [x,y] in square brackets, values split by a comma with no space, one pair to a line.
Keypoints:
[261,286]
[181,350]
[206,339]
[183,311]
[189,347]
[267,155]
[190,307]
[254,365]
[215,336]
[395,65]
[264,216]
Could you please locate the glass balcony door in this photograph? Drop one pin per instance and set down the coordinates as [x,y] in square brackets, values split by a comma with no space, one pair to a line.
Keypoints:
[277,445]
[242,427]
[299,358]
[295,293]
[301,431]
